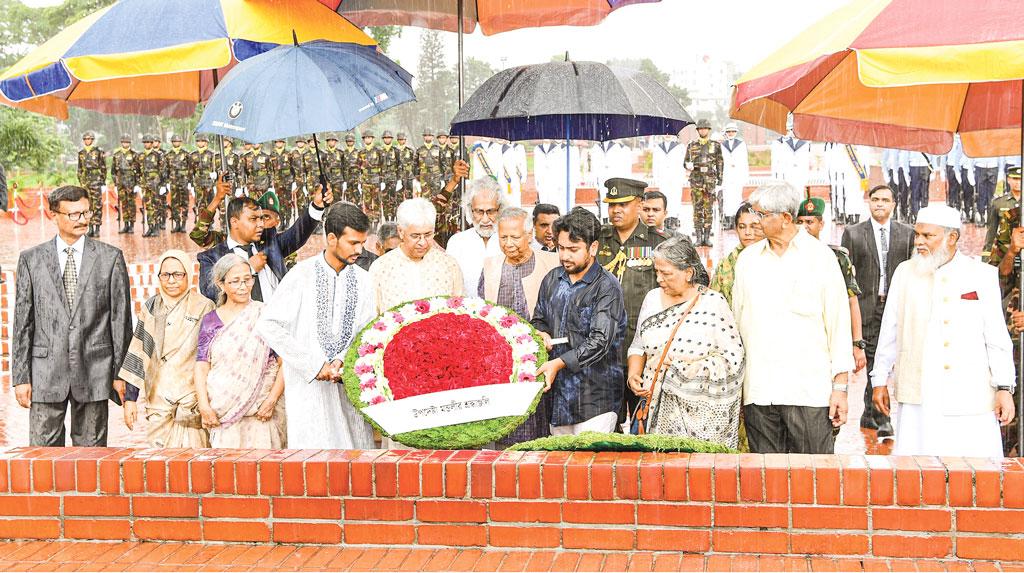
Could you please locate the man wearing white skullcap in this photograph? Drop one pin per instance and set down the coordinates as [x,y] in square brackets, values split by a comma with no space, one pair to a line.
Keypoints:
[945,346]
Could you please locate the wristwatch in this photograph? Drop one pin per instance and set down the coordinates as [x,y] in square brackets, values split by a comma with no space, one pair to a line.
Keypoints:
[1005,389]
[860,344]
[839,387]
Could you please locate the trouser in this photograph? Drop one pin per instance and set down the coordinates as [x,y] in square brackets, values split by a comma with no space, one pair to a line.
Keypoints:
[703,205]
[953,188]
[152,202]
[967,194]
[985,179]
[371,197]
[203,198]
[779,429]
[88,423]
[604,423]
[284,193]
[407,189]
[353,192]
[900,192]
[919,180]
[302,195]
[126,203]
[95,203]
[872,419]
[179,202]
[390,199]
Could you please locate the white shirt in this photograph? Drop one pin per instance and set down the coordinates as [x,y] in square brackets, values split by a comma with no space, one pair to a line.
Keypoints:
[268,280]
[62,255]
[876,227]
[468,249]
[793,315]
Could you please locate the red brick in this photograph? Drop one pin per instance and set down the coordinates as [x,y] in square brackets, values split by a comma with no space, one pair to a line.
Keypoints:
[456,474]
[529,468]
[776,478]
[481,467]
[321,533]
[602,476]
[270,472]
[316,474]
[597,539]
[29,529]
[505,479]
[904,546]
[651,484]
[986,482]
[379,534]
[684,540]
[156,475]
[152,506]
[385,474]
[826,479]
[177,473]
[451,535]
[882,480]
[627,476]
[553,474]
[409,473]
[133,472]
[751,477]
[678,478]
[1013,484]
[577,475]
[29,505]
[726,477]
[855,480]
[698,477]
[830,544]
[167,530]
[64,475]
[829,518]
[911,519]
[97,529]
[990,521]
[201,471]
[960,478]
[998,548]
[674,514]
[451,511]
[933,480]
[908,481]
[801,478]
[361,473]
[514,536]
[306,508]
[338,472]
[378,509]
[236,507]
[236,531]
[96,506]
[751,516]
[42,474]
[525,512]
[595,512]
[21,475]
[749,542]
[293,474]
[4,483]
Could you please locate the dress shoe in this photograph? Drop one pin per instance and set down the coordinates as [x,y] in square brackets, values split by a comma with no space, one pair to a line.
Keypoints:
[885,432]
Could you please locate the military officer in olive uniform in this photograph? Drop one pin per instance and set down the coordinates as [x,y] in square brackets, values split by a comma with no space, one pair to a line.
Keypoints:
[353,170]
[92,174]
[428,166]
[390,165]
[333,160]
[704,163]
[179,180]
[1006,211]
[406,167]
[283,176]
[163,196]
[203,166]
[371,164]
[258,175]
[150,169]
[999,209]
[302,171]
[124,173]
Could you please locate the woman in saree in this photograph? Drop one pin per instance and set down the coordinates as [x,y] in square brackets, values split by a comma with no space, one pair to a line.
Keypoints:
[748,230]
[238,377]
[160,359]
[687,357]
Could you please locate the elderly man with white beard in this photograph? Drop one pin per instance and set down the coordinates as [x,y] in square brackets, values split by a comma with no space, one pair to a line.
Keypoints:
[481,204]
[944,342]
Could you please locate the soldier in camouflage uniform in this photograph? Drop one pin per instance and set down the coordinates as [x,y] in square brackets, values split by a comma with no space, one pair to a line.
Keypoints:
[1004,209]
[92,174]
[406,167]
[705,164]
[283,175]
[257,175]
[162,197]
[233,161]
[125,175]
[203,163]
[150,169]
[391,161]
[353,170]
[1005,254]
[180,179]
[446,158]
[455,151]
[301,170]
[333,160]
[428,166]
[371,165]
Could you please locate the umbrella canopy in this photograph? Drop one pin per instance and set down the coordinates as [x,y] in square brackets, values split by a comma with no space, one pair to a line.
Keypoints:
[157,57]
[570,100]
[897,73]
[493,16]
[314,87]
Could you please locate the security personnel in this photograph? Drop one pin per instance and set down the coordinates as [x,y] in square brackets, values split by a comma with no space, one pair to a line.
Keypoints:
[245,166]
[162,196]
[428,166]
[998,211]
[283,174]
[353,170]
[259,178]
[1006,212]
[299,168]
[705,164]
[391,161]
[233,161]
[125,175]
[180,179]
[456,153]
[406,167]
[447,158]
[92,174]
[811,216]
[203,167]
[371,164]
[312,167]
[333,160]
[150,168]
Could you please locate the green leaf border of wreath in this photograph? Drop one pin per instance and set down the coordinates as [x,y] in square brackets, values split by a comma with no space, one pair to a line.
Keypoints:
[456,436]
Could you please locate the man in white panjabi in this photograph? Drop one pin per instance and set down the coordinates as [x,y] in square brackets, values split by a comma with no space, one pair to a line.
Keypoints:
[415,269]
[482,202]
[315,314]
[945,344]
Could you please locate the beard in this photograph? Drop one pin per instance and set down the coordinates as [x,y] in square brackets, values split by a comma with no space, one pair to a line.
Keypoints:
[484,232]
[928,264]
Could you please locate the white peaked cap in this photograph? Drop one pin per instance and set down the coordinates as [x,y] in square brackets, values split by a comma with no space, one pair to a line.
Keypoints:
[941,215]
[731,126]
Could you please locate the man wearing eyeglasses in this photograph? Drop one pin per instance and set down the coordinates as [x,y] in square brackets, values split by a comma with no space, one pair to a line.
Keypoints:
[481,205]
[72,327]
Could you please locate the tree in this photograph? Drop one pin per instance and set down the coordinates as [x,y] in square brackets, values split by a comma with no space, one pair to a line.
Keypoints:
[383,35]
[28,140]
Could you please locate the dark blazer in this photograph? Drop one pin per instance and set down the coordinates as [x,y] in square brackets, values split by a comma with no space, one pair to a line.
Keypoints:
[859,239]
[78,352]
[276,245]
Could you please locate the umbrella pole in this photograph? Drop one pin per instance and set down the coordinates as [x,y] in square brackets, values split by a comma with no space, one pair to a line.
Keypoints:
[223,162]
[320,165]
[462,99]
[568,175]
[1020,303]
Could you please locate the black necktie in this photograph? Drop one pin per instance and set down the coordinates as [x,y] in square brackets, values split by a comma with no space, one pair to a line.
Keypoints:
[257,292]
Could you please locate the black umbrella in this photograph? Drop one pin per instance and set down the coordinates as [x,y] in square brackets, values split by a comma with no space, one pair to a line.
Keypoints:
[570,100]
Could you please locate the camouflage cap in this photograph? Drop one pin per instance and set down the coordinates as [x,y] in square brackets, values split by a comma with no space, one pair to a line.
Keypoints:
[349,138]
[202,137]
[332,136]
[623,190]
[387,134]
[125,138]
[175,138]
[279,139]
[1013,173]
[441,134]
[401,136]
[147,138]
[270,201]
[88,135]
[703,123]
[428,132]
[368,133]
[812,207]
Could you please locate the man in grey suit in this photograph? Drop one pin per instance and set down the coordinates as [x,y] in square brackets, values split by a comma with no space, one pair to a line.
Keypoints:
[877,246]
[72,327]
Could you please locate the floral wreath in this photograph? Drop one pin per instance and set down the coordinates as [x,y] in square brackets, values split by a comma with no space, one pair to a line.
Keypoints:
[437,344]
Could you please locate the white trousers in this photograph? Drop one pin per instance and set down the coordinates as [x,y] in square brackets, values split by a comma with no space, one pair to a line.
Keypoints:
[600,423]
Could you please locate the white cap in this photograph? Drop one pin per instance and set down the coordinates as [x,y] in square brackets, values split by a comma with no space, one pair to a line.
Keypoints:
[731,126]
[941,215]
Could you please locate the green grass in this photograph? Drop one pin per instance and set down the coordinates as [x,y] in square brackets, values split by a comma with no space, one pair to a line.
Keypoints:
[600,442]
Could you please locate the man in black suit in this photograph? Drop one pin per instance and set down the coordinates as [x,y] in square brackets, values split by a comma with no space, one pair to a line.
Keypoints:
[72,326]
[877,246]
[265,249]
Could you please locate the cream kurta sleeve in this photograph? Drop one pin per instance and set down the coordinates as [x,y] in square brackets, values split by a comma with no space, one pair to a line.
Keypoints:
[279,323]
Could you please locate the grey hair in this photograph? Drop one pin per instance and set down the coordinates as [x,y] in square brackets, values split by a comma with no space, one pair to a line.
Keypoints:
[221,269]
[777,197]
[512,213]
[680,252]
[416,212]
[387,231]
[474,188]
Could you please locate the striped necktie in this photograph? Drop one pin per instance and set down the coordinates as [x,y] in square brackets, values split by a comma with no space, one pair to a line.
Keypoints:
[885,256]
[70,278]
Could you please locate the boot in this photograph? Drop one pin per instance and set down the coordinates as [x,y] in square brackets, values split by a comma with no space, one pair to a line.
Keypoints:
[130,227]
[124,229]
[151,232]
[707,237]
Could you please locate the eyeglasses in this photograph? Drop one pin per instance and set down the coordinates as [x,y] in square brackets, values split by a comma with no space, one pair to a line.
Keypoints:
[168,276]
[237,284]
[492,213]
[417,237]
[763,214]
[77,216]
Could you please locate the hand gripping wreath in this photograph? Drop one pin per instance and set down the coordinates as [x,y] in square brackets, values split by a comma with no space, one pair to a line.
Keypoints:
[445,372]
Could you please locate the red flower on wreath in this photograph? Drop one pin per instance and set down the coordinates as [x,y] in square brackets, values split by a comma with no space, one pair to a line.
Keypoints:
[508,321]
[422,306]
[455,302]
[446,352]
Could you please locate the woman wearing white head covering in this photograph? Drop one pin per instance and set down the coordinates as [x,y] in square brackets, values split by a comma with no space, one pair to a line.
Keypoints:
[162,355]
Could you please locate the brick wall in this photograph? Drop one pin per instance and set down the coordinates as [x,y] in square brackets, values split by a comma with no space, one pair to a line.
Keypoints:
[775,504]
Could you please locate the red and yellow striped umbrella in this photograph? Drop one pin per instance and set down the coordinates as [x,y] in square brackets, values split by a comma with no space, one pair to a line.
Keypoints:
[899,74]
